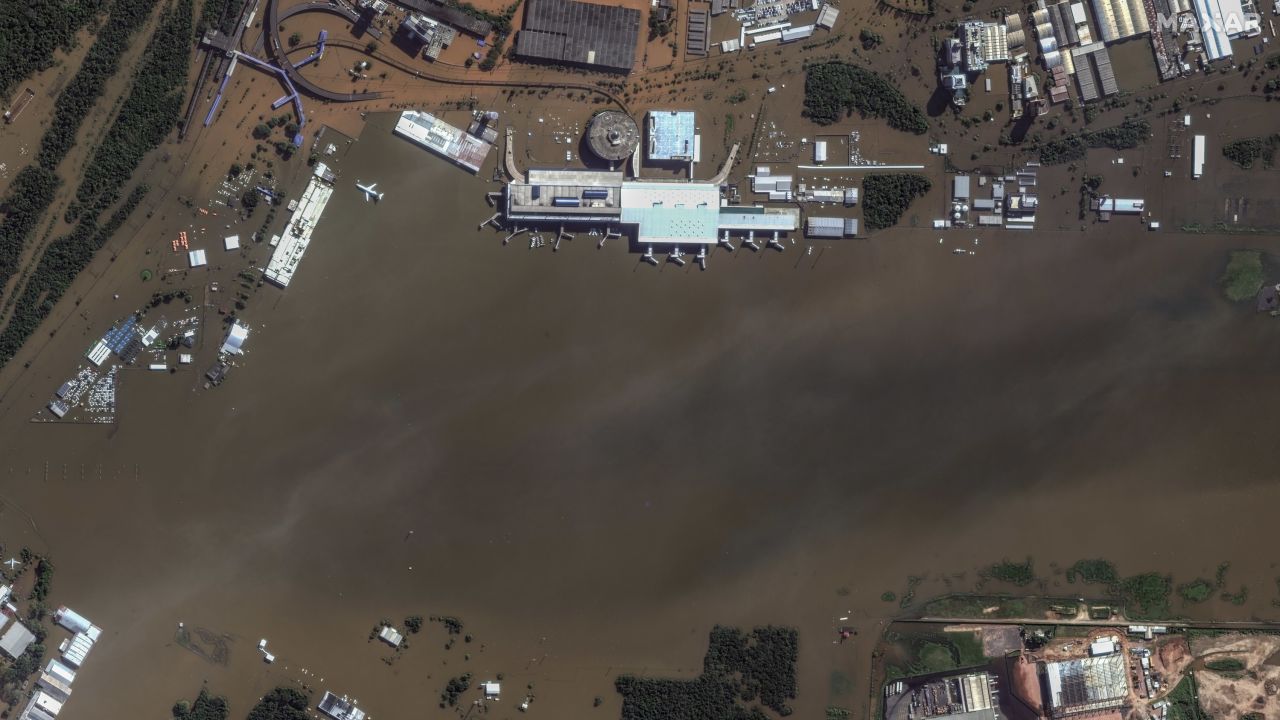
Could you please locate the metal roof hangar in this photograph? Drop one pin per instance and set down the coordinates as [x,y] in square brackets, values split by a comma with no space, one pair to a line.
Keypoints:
[579,33]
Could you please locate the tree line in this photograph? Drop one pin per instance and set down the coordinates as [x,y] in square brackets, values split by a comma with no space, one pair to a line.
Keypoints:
[150,111]
[33,187]
[1127,135]
[834,90]
[32,30]
[741,673]
[1246,151]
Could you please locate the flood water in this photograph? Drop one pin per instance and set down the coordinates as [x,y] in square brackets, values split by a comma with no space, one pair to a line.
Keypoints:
[598,460]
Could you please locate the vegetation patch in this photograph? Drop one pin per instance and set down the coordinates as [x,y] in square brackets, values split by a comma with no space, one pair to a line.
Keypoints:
[206,707]
[1183,704]
[1125,136]
[1147,595]
[1243,277]
[888,596]
[282,703]
[741,673]
[885,197]
[834,90]
[1225,665]
[1019,574]
[934,652]
[1099,572]
[837,713]
[1196,591]
[1247,151]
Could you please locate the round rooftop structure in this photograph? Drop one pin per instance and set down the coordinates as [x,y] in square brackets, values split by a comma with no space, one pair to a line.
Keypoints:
[613,135]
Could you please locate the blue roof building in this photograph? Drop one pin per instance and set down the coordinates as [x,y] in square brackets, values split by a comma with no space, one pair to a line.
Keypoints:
[673,136]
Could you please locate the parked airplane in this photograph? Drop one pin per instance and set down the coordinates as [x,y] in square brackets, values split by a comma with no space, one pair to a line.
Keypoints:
[370,191]
[12,563]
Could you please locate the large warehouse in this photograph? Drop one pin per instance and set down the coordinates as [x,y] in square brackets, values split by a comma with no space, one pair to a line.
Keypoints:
[579,33]
[1120,19]
[1087,685]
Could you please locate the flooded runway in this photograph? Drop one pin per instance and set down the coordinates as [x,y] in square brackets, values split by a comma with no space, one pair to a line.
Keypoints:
[599,459]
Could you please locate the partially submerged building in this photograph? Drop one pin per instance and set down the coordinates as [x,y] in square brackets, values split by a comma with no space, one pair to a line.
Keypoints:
[441,138]
[339,708]
[390,636]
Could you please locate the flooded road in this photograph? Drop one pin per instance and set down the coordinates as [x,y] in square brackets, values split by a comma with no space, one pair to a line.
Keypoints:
[599,460]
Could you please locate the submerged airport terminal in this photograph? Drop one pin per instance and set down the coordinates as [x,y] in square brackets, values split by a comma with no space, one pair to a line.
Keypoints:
[666,214]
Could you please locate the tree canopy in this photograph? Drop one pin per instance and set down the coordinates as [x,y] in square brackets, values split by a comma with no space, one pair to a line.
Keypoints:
[282,703]
[835,90]
[886,196]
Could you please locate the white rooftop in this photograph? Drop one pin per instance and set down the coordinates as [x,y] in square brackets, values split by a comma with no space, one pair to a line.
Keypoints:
[235,339]
[672,213]
[231,242]
[197,258]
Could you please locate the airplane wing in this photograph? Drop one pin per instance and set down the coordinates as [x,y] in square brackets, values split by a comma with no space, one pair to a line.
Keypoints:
[366,197]
[373,187]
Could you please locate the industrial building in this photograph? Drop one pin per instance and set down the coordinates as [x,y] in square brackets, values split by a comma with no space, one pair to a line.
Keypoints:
[777,187]
[42,706]
[958,697]
[1220,21]
[579,33]
[1087,685]
[827,16]
[1094,74]
[1197,157]
[830,227]
[16,640]
[1119,19]
[697,39]
[443,139]
[977,44]
[445,13]
[661,213]
[673,135]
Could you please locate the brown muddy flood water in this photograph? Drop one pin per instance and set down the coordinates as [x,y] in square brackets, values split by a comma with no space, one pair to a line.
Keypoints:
[600,460]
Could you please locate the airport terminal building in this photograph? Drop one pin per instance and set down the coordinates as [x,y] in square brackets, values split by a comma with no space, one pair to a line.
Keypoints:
[661,213]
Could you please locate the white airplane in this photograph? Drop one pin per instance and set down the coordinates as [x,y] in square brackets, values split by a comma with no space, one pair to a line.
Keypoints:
[12,563]
[370,191]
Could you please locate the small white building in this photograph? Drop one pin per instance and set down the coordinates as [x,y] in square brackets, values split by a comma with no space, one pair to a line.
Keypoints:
[231,242]
[197,258]
[820,151]
[491,690]
[390,636]
[234,344]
